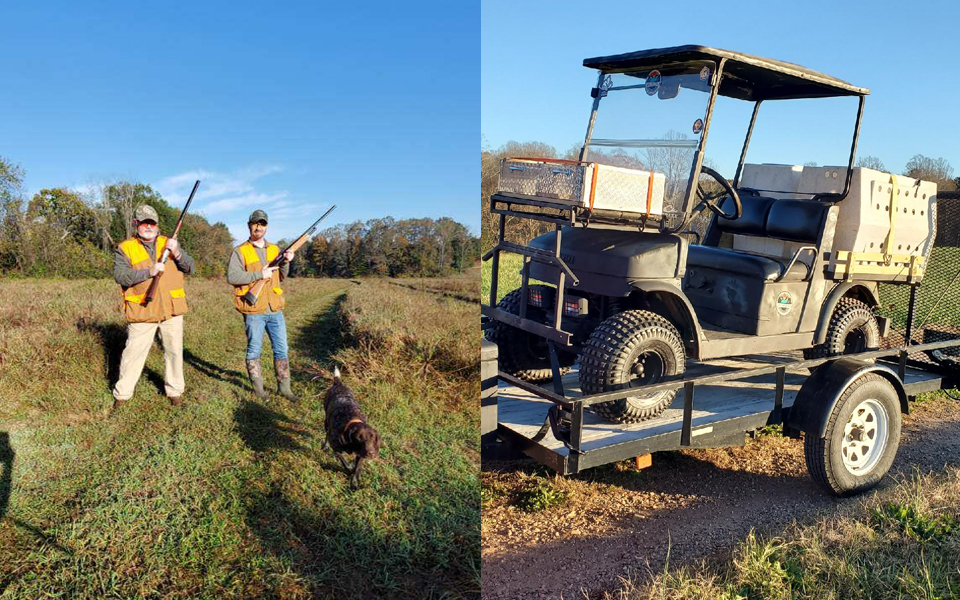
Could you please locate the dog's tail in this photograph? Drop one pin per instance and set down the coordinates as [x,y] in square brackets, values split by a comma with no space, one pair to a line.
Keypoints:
[336,375]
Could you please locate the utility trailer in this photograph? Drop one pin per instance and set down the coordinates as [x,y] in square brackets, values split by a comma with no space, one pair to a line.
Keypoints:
[719,404]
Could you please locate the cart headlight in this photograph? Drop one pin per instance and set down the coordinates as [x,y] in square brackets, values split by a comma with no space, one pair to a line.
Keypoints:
[574,307]
[535,298]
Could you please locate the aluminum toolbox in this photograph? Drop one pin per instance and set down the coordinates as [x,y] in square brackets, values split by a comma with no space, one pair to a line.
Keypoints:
[586,185]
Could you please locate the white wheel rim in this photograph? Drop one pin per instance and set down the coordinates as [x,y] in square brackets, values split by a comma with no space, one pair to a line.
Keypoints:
[865,437]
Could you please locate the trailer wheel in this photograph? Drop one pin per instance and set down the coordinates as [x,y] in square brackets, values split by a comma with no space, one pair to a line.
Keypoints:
[631,349]
[523,354]
[853,328]
[861,438]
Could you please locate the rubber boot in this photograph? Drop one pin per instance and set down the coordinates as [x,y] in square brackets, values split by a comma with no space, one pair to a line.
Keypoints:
[256,378]
[282,366]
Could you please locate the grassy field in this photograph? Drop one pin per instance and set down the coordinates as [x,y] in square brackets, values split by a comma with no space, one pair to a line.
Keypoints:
[510,265]
[907,546]
[227,497]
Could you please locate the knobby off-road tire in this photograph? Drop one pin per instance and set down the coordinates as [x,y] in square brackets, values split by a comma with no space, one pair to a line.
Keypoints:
[853,328]
[861,441]
[524,354]
[631,349]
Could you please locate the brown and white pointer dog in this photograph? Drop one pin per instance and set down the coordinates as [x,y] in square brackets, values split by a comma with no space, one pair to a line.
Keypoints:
[347,429]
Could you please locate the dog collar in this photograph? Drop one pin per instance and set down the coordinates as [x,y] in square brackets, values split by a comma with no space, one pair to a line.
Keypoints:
[349,423]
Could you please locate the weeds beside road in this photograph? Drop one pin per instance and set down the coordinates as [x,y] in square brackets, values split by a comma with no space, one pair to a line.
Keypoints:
[228,497]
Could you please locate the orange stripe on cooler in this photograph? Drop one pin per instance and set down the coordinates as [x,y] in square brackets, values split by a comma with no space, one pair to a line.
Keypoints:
[593,183]
[649,193]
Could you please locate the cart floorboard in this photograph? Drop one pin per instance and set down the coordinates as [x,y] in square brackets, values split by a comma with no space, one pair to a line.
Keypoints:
[722,414]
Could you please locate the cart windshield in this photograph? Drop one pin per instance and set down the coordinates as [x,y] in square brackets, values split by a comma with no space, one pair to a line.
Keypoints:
[656,116]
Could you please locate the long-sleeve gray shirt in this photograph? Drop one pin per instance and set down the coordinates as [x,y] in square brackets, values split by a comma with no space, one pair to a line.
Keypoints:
[236,275]
[126,275]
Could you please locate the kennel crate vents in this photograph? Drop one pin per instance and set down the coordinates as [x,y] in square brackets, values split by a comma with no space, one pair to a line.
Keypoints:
[587,185]
[884,225]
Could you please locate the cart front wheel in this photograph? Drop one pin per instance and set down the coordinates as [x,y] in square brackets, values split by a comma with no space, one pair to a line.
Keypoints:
[861,438]
[631,349]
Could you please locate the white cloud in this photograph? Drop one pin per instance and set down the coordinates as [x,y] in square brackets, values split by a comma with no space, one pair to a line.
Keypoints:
[214,185]
[245,201]
[230,196]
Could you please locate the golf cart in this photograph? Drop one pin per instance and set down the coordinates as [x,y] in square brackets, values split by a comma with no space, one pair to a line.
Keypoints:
[658,264]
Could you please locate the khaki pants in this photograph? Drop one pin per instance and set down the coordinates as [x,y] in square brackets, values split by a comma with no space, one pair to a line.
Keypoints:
[139,340]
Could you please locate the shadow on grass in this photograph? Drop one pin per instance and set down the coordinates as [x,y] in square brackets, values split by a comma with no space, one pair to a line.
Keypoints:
[342,554]
[7,456]
[113,338]
[208,369]
[6,479]
[264,429]
[320,338]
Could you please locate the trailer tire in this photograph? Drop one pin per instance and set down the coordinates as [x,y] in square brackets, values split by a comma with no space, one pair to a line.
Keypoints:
[631,349]
[520,353]
[860,440]
[853,328]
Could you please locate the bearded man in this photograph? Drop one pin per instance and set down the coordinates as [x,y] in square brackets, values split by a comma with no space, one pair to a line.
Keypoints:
[135,264]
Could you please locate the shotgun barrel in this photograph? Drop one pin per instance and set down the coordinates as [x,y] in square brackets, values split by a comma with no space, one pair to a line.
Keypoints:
[152,290]
[253,294]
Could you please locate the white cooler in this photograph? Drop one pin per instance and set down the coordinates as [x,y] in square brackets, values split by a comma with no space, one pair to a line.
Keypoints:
[587,185]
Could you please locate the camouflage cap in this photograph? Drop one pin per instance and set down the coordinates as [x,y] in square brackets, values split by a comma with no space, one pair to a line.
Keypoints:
[257,215]
[145,212]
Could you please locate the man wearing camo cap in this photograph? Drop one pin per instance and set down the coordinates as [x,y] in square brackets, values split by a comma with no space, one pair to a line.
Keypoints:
[134,266]
[248,264]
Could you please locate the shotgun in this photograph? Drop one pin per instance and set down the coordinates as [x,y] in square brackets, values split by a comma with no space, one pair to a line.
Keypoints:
[253,294]
[152,290]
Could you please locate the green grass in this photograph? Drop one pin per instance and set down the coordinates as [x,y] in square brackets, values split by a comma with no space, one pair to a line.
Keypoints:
[903,547]
[510,266]
[227,497]
[539,495]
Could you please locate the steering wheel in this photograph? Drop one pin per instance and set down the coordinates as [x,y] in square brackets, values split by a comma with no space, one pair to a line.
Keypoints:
[710,200]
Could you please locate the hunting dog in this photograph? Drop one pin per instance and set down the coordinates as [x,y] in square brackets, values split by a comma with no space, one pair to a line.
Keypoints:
[347,429]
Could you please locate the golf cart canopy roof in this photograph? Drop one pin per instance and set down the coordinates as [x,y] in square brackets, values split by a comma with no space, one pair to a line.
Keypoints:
[745,77]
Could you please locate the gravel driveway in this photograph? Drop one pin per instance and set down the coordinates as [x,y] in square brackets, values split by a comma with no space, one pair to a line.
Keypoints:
[696,502]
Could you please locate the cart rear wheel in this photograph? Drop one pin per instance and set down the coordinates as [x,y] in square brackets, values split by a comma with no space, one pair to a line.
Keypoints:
[524,354]
[631,349]
[853,328]
[861,438]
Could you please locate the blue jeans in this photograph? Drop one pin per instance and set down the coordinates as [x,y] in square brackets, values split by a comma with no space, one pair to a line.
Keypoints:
[276,328]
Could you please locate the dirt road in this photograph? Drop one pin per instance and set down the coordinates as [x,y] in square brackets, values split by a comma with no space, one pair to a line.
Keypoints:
[697,503]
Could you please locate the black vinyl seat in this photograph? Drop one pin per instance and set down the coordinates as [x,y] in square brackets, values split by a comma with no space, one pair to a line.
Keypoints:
[782,219]
[744,263]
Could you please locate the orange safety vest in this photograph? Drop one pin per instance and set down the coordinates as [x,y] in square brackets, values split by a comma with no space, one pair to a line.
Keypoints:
[271,295]
[170,299]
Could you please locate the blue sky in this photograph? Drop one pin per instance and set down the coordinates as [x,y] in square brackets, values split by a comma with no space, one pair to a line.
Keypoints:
[534,87]
[289,106]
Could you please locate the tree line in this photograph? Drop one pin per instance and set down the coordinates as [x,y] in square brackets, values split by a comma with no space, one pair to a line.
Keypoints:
[674,163]
[60,232]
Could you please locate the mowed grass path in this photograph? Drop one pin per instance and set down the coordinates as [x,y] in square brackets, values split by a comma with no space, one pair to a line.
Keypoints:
[227,497]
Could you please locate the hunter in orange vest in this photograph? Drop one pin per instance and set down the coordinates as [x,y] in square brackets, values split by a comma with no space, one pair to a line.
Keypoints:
[134,266]
[248,265]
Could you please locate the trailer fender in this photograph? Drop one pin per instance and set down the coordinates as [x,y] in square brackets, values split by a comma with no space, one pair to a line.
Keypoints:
[847,288]
[819,394]
[670,302]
